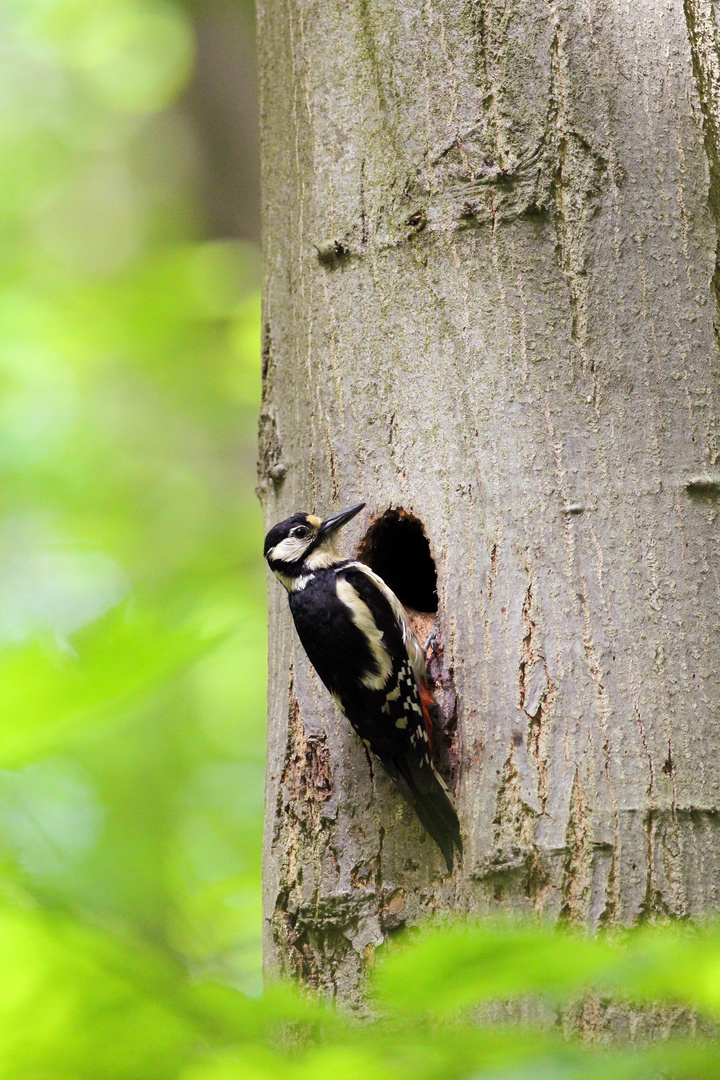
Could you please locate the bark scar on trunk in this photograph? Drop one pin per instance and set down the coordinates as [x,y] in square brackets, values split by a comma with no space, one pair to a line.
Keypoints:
[577,879]
[536,690]
[514,870]
[270,467]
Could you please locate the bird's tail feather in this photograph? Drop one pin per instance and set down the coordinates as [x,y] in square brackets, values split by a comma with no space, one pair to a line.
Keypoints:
[429,798]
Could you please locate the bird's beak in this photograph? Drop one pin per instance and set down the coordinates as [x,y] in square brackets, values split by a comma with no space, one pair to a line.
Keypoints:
[336,521]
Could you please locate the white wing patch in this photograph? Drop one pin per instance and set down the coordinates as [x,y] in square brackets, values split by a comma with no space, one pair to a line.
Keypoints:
[362,617]
[415,653]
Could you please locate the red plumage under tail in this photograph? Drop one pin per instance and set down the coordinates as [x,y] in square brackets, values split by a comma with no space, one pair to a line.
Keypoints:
[429,798]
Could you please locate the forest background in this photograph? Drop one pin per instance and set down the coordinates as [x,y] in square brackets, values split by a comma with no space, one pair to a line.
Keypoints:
[132,625]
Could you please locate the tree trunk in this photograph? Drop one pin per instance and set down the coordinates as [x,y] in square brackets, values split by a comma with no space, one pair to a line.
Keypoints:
[491,230]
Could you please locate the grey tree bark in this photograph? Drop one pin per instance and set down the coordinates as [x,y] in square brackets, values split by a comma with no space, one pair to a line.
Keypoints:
[491,238]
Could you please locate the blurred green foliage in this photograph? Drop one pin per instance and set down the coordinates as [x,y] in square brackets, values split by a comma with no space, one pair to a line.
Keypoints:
[132,648]
[132,640]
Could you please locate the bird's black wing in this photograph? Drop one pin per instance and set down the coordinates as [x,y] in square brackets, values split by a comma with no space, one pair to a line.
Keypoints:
[394,723]
[356,638]
[390,712]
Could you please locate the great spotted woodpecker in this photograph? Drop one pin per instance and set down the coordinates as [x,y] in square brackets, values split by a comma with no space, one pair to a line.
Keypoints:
[358,638]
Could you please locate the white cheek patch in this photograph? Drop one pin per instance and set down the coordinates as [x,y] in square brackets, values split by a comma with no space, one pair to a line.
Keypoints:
[362,617]
[289,550]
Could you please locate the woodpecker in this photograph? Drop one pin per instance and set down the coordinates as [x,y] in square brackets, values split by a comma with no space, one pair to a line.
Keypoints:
[358,638]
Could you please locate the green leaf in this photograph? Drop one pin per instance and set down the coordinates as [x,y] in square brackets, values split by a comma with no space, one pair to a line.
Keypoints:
[451,968]
[47,690]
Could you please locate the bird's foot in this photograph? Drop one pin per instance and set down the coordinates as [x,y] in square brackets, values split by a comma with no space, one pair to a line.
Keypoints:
[432,644]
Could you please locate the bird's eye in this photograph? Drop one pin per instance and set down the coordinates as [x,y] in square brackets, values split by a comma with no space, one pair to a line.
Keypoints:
[301,532]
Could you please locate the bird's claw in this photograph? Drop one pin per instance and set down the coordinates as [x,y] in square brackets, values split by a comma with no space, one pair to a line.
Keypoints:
[432,643]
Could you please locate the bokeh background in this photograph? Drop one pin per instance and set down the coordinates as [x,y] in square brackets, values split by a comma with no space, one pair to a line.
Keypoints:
[132,667]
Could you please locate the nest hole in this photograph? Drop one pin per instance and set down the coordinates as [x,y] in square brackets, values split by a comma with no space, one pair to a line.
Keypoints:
[396,547]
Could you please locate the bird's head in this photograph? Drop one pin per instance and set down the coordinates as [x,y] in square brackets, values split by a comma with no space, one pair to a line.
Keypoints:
[304,543]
